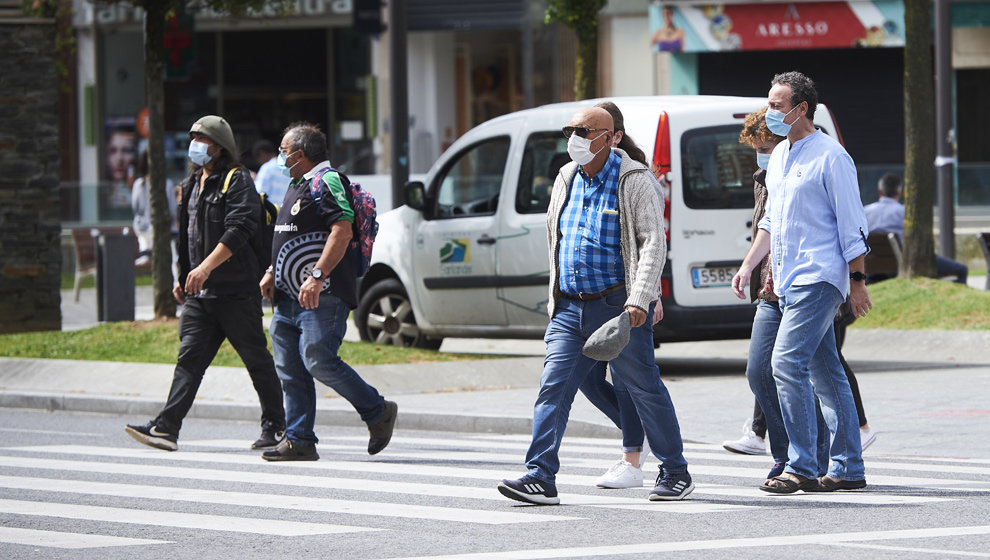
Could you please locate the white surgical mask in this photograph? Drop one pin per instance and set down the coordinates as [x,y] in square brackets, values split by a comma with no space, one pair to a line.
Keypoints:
[198,153]
[580,149]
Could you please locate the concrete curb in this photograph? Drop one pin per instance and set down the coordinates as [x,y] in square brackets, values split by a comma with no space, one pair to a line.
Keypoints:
[141,408]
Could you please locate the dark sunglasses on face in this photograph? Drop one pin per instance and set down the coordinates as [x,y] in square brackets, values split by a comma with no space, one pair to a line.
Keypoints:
[581,131]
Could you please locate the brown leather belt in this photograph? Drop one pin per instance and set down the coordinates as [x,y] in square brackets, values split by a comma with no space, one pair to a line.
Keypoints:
[589,297]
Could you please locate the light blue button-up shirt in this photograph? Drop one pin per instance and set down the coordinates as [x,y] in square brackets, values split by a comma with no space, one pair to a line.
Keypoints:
[814,214]
[885,215]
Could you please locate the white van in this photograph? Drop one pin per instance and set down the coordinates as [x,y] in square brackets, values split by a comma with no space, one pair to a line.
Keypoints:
[467,255]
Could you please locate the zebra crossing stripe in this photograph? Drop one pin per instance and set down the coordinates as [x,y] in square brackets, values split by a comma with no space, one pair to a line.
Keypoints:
[277,501]
[57,539]
[175,519]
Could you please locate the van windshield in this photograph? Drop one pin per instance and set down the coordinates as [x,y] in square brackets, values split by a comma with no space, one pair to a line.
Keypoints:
[717,169]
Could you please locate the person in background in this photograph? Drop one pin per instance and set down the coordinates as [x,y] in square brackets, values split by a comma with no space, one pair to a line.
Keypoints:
[886,215]
[141,205]
[269,179]
[219,269]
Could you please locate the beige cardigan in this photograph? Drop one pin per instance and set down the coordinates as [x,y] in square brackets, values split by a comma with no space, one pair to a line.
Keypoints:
[642,243]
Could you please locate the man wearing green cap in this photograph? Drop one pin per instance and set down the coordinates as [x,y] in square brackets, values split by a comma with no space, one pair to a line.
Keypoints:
[219,256]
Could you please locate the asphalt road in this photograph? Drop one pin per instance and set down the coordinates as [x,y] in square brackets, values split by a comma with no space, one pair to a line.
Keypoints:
[74,485]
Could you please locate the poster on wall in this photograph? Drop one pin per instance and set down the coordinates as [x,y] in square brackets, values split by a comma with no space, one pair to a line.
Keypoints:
[775,26]
[120,159]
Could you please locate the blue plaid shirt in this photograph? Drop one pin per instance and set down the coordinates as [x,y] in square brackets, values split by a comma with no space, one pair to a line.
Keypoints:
[590,252]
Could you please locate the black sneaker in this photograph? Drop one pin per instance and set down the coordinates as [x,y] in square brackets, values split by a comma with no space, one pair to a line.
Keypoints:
[381,433]
[288,451]
[671,486]
[269,439]
[531,490]
[149,434]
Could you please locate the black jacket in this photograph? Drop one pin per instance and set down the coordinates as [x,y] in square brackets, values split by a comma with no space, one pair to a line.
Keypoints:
[230,218]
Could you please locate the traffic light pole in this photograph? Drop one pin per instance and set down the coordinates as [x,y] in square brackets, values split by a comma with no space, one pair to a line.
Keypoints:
[399,100]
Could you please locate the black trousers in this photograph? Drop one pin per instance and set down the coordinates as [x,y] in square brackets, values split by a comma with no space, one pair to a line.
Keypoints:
[203,326]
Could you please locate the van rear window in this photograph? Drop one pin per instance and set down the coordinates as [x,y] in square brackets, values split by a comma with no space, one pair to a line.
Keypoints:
[717,169]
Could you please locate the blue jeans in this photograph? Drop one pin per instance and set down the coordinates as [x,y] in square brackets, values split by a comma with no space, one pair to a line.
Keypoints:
[566,368]
[759,373]
[615,402]
[305,342]
[805,336]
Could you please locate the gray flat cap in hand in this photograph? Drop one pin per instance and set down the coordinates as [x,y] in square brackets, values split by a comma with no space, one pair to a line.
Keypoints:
[607,342]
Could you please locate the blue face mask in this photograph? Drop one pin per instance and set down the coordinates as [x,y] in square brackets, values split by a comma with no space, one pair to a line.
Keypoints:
[775,121]
[763,160]
[197,153]
[280,161]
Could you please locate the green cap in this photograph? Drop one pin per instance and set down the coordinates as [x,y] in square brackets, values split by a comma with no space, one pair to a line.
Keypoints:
[218,130]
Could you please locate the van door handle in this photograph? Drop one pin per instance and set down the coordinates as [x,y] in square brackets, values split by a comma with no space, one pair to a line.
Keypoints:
[485,240]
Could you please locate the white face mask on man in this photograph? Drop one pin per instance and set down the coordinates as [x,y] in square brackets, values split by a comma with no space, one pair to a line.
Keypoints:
[580,149]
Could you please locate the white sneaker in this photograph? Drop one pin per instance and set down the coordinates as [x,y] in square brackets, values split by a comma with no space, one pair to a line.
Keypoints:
[748,444]
[867,436]
[622,475]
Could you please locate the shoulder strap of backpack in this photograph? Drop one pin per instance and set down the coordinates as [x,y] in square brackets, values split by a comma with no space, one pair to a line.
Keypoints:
[226,182]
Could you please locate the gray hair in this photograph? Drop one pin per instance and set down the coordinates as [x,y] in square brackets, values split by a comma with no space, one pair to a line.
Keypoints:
[802,89]
[308,138]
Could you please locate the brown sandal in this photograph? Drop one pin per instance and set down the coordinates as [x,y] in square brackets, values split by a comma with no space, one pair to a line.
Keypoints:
[784,484]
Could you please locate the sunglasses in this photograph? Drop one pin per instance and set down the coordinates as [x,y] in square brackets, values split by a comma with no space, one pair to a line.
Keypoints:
[581,131]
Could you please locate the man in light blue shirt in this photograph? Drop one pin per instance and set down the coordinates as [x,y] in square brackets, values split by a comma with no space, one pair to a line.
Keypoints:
[887,215]
[817,244]
[269,179]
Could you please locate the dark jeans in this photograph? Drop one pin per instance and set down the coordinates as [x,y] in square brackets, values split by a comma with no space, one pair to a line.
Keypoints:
[203,326]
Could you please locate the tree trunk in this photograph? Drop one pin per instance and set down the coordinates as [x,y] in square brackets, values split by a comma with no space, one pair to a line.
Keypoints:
[161,220]
[586,63]
[919,141]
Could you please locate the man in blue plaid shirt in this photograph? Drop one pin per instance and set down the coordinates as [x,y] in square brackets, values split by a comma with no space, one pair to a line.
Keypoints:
[607,249]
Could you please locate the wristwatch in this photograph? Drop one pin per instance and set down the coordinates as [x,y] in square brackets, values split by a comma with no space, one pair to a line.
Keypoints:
[857,276]
[317,273]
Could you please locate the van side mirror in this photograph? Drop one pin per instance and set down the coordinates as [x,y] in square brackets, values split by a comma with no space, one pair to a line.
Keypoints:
[416,195]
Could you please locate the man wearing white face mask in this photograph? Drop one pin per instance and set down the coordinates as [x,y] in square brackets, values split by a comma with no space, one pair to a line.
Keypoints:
[817,243]
[607,249]
[219,269]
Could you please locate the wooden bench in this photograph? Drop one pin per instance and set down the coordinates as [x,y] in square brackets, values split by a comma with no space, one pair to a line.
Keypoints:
[884,259]
[984,240]
[84,239]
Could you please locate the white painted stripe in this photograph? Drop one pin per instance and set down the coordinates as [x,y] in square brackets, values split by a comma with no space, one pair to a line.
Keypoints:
[926,551]
[824,539]
[58,432]
[329,505]
[56,539]
[602,499]
[583,462]
[175,519]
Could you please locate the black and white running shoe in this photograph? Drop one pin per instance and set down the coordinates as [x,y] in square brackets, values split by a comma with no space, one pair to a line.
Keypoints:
[150,435]
[531,490]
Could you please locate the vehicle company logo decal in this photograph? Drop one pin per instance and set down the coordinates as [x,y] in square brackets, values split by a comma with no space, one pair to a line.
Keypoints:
[456,251]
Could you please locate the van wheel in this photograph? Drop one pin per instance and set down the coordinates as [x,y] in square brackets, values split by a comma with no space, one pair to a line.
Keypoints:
[385,316]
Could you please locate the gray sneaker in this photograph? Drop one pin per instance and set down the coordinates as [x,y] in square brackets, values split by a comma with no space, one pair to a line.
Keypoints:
[671,486]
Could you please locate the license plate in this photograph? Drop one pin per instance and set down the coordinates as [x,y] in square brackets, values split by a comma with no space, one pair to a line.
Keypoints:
[712,277]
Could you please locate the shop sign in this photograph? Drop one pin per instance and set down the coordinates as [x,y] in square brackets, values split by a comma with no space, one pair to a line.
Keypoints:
[777,26]
[87,13]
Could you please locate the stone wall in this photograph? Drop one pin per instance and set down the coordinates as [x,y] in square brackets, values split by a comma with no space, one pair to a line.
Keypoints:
[30,257]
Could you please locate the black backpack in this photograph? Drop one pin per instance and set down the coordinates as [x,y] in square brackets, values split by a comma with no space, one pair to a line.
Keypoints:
[266,224]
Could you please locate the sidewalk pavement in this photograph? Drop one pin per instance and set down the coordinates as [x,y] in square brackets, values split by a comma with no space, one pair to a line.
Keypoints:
[924,391]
